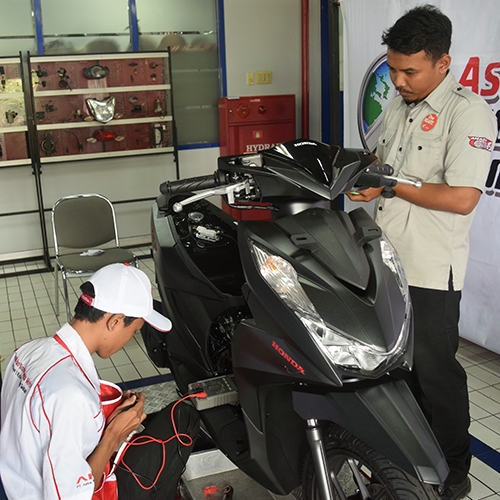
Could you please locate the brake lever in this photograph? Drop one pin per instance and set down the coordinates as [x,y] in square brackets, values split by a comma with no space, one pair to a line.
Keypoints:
[415,184]
[228,190]
[388,192]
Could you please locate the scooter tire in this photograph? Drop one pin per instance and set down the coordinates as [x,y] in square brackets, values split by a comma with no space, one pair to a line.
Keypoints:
[383,479]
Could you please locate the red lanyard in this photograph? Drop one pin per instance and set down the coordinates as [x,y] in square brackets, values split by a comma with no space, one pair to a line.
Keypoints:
[61,342]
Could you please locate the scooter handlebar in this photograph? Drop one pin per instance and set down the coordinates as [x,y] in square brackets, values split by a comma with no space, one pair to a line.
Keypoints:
[375,181]
[377,176]
[192,184]
[379,169]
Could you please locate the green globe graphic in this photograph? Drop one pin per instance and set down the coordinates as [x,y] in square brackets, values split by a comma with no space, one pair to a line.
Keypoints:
[377,91]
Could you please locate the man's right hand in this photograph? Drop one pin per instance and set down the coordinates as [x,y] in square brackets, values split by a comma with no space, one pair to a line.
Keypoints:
[125,419]
[128,416]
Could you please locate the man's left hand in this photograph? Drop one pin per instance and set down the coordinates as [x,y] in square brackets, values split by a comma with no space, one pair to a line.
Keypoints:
[365,195]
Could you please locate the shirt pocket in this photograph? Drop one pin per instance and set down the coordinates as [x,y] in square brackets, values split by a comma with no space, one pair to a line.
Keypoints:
[385,142]
[424,158]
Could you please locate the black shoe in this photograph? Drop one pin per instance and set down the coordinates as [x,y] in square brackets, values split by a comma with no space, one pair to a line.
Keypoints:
[455,491]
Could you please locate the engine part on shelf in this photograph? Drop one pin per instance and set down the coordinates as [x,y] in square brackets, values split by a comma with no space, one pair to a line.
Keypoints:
[158,106]
[48,145]
[40,72]
[78,142]
[158,136]
[102,111]
[10,115]
[63,78]
[105,135]
[96,72]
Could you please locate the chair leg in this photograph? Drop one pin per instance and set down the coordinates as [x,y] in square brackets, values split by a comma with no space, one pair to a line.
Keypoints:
[66,295]
[56,286]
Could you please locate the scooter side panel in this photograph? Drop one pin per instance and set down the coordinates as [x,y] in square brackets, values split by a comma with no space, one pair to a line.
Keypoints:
[387,418]
[190,298]
[273,456]
[266,369]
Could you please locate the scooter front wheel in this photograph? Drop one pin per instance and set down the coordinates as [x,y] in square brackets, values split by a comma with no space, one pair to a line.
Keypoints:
[361,473]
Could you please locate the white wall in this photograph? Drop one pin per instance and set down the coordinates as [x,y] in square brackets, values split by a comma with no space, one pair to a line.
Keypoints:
[265,35]
[260,35]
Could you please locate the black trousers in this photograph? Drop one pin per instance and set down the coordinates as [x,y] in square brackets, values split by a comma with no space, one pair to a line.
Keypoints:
[438,380]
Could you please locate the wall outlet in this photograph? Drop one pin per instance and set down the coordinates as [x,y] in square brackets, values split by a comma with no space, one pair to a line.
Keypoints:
[264,77]
[250,79]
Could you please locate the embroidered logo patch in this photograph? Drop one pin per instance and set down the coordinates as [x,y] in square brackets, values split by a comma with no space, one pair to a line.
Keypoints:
[429,122]
[481,143]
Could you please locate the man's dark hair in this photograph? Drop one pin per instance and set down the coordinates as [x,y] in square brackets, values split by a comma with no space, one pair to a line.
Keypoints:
[84,312]
[422,28]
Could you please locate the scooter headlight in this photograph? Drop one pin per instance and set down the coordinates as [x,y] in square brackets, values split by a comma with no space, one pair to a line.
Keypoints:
[338,347]
[391,259]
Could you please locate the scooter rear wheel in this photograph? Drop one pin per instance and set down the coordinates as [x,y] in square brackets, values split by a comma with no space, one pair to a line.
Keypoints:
[380,478]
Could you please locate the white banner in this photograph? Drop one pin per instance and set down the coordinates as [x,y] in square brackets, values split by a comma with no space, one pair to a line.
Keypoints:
[475,55]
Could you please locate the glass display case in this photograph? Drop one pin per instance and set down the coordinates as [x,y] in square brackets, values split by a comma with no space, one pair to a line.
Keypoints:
[97,106]
[13,129]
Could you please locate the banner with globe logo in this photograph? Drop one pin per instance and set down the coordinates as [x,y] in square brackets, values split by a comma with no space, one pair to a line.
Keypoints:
[376,92]
[475,64]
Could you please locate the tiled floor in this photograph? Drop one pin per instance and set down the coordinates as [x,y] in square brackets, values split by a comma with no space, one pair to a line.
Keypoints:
[26,311]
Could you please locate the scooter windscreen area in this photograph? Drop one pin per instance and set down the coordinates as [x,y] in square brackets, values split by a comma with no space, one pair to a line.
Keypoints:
[322,162]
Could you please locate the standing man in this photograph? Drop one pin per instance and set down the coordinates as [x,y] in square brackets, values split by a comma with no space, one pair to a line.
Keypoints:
[442,134]
[55,441]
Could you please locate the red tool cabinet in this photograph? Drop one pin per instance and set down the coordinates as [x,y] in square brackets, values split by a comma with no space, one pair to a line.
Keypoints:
[250,124]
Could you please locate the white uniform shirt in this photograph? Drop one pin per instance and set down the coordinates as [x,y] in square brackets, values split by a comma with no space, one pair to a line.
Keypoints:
[446,138]
[51,419]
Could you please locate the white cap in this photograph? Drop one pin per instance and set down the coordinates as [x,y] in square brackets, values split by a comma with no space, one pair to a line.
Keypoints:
[124,289]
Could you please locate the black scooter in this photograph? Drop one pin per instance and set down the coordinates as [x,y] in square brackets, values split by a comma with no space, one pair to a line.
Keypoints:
[295,328]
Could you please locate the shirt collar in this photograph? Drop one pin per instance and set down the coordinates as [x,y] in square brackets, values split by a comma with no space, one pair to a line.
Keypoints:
[438,97]
[80,353]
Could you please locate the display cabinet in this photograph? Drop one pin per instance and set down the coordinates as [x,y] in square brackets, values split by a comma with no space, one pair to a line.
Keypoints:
[13,146]
[97,106]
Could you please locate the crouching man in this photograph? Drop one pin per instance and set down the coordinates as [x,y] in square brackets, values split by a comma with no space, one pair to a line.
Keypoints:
[55,442]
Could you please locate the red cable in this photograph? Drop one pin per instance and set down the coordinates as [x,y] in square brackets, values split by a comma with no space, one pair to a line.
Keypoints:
[143,439]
